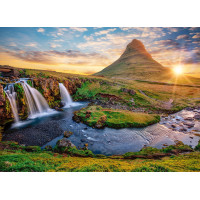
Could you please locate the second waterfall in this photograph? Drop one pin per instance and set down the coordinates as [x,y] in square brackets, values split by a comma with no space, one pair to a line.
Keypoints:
[66,99]
[37,104]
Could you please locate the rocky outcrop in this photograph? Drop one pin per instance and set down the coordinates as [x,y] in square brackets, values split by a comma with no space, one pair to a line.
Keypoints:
[5,109]
[67,134]
[129,91]
[47,86]
[64,143]
[101,122]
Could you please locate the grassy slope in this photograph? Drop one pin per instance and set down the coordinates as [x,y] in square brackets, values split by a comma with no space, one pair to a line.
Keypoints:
[17,159]
[182,96]
[115,118]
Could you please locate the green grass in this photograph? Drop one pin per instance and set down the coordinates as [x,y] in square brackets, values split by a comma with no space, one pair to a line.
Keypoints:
[151,152]
[16,158]
[114,118]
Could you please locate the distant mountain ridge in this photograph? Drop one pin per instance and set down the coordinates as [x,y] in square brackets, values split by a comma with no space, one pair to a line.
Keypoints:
[135,63]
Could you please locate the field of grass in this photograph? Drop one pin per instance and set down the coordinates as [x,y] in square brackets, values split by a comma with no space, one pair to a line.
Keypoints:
[96,116]
[156,93]
[30,159]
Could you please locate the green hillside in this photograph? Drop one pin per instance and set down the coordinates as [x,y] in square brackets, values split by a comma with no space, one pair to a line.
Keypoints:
[136,63]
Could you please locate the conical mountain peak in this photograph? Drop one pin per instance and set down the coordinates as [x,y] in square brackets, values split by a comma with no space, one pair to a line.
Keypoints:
[134,48]
[135,63]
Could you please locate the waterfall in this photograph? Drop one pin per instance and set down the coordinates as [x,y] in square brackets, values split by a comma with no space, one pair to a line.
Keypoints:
[37,104]
[11,94]
[66,99]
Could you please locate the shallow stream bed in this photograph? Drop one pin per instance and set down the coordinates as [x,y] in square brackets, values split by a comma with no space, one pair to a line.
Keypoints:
[108,141]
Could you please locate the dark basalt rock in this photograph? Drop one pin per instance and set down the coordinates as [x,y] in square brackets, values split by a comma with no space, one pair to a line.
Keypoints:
[65,143]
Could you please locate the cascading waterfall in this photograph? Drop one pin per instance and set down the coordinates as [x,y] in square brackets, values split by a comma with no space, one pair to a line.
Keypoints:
[11,94]
[66,99]
[37,104]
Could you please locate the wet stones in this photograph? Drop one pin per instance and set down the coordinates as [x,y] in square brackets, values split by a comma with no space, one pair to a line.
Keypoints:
[189,119]
[173,126]
[189,124]
[58,109]
[67,134]
[197,117]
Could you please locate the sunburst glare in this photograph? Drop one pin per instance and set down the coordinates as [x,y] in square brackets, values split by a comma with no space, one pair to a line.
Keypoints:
[178,70]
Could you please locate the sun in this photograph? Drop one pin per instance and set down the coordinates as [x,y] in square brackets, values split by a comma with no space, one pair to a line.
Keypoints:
[178,70]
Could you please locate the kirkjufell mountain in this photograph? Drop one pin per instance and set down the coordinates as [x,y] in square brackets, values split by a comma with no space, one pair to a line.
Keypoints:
[136,63]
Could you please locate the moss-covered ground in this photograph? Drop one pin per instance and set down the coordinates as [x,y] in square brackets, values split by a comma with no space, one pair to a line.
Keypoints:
[96,116]
[15,158]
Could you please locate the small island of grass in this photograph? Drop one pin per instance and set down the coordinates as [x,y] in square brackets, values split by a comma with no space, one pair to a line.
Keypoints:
[98,117]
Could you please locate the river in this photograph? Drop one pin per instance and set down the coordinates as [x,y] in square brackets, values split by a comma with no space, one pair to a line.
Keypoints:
[47,130]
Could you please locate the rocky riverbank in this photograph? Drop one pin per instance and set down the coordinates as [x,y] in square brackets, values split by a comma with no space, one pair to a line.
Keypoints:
[186,121]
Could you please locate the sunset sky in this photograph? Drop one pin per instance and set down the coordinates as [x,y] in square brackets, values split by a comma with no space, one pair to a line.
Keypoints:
[88,50]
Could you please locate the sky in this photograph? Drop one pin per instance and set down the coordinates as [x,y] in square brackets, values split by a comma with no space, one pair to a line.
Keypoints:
[87,50]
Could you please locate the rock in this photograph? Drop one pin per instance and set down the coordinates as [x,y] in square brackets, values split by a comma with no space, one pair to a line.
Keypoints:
[101,122]
[173,126]
[182,129]
[67,134]
[48,148]
[32,148]
[76,118]
[58,109]
[86,146]
[197,117]
[88,114]
[189,124]
[189,119]
[8,164]
[65,143]
[189,109]
[83,140]
[132,92]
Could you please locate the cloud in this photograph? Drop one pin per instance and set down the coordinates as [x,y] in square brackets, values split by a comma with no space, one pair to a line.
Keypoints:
[185,37]
[194,28]
[41,30]
[196,36]
[68,57]
[59,32]
[53,45]
[79,29]
[12,44]
[167,44]
[172,29]
[104,32]
[31,44]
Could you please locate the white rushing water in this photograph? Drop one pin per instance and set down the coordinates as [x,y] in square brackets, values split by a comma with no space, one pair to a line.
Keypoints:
[66,99]
[11,94]
[37,104]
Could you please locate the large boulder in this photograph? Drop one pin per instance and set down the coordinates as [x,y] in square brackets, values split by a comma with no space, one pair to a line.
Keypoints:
[65,143]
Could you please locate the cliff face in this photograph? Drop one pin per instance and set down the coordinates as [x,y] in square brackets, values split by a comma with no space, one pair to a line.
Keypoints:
[48,87]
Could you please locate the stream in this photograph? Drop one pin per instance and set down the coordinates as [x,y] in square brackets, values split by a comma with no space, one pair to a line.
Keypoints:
[47,130]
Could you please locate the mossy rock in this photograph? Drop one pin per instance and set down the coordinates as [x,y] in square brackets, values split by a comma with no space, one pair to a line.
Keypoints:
[98,117]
